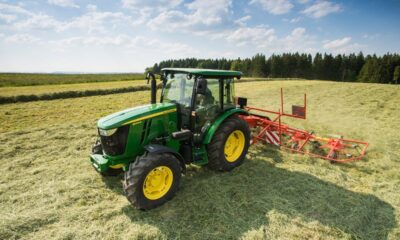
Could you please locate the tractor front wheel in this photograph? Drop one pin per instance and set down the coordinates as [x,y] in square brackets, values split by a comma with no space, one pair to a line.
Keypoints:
[229,145]
[152,180]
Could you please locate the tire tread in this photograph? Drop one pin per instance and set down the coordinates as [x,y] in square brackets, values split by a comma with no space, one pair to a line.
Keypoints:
[216,157]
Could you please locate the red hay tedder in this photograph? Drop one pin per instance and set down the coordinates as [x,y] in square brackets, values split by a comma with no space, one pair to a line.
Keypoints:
[273,131]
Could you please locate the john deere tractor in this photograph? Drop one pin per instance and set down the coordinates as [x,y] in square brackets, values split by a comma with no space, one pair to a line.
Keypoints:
[196,121]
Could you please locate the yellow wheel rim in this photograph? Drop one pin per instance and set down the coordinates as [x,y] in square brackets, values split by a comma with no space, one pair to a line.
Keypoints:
[157,182]
[234,146]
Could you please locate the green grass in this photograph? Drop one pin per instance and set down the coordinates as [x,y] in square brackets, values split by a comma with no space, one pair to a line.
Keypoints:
[48,188]
[62,91]
[33,79]
[48,89]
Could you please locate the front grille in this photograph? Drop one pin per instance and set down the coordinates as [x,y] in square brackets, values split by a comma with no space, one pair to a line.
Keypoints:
[115,144]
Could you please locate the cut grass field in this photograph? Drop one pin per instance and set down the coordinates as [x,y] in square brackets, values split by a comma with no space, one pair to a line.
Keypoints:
[49,89]
[48,188]
[32,79]
[40,89]
[63,91]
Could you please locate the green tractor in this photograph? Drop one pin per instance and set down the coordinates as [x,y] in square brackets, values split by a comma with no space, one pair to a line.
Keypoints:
[196,122]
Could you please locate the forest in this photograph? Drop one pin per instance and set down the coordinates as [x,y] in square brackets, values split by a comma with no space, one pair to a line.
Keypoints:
[341,67]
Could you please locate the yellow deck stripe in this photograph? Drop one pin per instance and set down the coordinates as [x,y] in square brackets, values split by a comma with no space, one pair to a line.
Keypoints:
[150,116]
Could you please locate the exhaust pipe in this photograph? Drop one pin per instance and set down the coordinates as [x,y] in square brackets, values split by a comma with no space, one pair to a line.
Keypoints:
[153,86]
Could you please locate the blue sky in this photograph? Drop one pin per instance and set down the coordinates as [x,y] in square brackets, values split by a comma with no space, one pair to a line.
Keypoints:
[129,35]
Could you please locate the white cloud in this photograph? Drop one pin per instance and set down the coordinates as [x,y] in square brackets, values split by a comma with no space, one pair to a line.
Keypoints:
[303,1]
[169,21]
[149,8]
[371,36]
[251,36]
[93,41]
[137,43]
[342,45]
[38,21]
[292,20]
[275,7]
[91,21]
[321,9]
[64,3]
[91,7]
[201,13]
[94,21]
[7,17]
[21,38]
[298,32]
[13,9]
[337,43]
[297,41]
[264,38]
[151,4]
[209,12]
[22,18]
[242,21]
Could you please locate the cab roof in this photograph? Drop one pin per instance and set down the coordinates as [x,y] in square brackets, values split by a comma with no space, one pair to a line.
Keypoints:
[205,72]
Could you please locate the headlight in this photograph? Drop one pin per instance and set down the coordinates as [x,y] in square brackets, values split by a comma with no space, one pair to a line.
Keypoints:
[107,133]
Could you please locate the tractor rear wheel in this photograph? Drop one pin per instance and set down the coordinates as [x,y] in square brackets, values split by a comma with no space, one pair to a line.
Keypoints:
[152,180]
[229,145]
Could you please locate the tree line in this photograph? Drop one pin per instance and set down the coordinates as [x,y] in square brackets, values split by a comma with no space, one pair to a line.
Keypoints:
[341,67]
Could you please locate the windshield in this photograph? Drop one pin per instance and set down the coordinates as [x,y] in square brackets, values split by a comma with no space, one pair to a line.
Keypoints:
[178,89]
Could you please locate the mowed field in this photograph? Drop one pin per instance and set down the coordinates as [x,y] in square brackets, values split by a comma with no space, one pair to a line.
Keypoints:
[33,79]
[49,89]
[80,85]
[49,190]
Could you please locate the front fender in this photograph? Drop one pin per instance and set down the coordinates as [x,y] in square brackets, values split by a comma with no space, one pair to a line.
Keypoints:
[157,148]
[220,119]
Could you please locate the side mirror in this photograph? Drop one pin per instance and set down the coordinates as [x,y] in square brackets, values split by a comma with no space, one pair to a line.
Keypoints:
[201,86]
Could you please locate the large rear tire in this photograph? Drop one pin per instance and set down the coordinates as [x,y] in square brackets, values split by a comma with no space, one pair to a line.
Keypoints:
[152,180]
[229,145]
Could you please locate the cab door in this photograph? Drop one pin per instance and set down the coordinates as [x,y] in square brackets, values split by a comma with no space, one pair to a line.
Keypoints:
[208,107]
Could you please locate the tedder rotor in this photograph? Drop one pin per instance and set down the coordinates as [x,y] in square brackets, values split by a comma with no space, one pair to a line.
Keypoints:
[198,121]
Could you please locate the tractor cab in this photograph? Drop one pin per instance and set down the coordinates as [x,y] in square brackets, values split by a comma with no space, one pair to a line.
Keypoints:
[201,96]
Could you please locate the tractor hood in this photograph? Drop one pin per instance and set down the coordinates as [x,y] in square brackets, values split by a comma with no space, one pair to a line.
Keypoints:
[132,115]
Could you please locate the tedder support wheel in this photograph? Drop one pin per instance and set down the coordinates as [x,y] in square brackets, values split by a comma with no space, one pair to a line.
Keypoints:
[152,180]
[333,155]
[229,145]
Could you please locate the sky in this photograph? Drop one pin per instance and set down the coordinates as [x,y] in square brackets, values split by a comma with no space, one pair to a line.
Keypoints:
[130,35]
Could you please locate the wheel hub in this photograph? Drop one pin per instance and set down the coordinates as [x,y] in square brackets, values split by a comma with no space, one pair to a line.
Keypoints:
[234,146]
[157,182]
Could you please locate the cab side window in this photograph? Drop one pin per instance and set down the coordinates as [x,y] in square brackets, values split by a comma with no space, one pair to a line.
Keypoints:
[208,106]
[229,98]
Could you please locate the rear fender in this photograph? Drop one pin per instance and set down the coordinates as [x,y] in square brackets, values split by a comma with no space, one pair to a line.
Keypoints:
[220,119]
